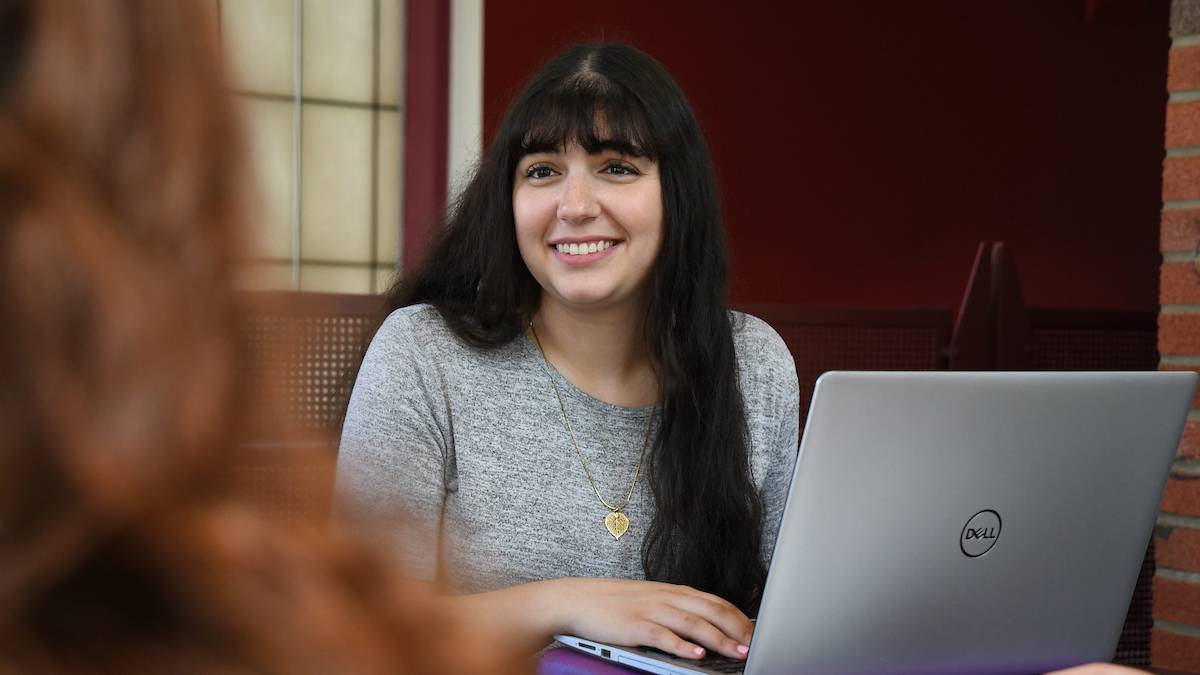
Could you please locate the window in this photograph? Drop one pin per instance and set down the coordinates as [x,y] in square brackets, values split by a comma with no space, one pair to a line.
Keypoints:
[320,86]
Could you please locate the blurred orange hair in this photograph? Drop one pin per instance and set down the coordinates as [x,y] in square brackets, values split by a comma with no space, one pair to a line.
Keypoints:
[122,210]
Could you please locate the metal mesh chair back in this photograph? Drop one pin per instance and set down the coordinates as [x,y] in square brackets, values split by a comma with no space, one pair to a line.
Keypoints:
[857,338]
[1085,340]
[308,361]
[300,352]
[1133,649]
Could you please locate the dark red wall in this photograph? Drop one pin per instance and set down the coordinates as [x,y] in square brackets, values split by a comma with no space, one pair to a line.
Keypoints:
[865,148]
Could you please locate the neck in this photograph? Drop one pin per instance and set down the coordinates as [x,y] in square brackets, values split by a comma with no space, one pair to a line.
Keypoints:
[602,352]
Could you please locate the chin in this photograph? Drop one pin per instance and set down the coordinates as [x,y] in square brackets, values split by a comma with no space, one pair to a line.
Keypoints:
[585,298]
[587,301]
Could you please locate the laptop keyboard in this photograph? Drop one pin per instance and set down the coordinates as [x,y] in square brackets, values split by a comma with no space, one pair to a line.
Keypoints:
[711,661]
[722,664]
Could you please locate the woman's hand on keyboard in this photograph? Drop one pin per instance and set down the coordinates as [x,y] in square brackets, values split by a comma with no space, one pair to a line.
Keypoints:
[678,620]
[675,619]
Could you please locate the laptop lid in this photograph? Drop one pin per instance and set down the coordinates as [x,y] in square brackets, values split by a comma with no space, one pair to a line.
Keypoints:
[967,523]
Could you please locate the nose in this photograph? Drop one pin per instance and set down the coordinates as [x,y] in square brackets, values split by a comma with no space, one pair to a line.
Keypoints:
[578,203]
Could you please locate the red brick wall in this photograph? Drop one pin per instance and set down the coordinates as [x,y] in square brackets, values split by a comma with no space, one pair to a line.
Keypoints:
[1177,582]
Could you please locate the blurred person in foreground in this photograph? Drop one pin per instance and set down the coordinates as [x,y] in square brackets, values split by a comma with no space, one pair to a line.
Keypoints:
[122,546]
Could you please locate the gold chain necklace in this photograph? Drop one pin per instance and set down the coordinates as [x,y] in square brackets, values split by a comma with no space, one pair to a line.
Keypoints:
[616,522]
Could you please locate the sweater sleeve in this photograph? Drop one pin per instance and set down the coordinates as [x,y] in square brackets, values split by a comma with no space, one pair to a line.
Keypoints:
[778,480]
[395,461]
[771,391]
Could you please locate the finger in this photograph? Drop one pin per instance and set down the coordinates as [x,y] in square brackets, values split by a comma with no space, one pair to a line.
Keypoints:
[723,615]
[695,628]
[662,638]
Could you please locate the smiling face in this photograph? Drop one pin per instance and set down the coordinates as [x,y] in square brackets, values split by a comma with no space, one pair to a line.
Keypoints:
[589,226]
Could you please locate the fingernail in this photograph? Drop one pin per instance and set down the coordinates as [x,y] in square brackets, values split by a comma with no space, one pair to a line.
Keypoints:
[743,649]
[699,651]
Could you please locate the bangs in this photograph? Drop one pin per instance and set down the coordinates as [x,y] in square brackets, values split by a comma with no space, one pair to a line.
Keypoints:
[589,110]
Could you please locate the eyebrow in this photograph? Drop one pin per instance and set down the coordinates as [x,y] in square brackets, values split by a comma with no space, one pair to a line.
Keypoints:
[619,146]
[541,148]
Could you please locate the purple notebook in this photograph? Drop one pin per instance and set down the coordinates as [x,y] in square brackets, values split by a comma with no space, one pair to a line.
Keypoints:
[567,661]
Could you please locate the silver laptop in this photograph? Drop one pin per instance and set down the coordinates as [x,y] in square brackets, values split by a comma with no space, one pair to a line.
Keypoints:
[965,523]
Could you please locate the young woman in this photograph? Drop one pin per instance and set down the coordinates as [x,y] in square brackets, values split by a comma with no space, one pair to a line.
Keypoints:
[562,421]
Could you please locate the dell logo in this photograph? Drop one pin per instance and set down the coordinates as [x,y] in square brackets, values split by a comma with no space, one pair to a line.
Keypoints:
[980,533]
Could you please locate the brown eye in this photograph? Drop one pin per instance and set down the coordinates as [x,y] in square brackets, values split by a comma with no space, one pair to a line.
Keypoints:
[539,172]
[620,170]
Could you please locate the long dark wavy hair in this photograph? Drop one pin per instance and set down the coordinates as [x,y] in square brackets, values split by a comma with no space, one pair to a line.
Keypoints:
[707,529]
[125,547]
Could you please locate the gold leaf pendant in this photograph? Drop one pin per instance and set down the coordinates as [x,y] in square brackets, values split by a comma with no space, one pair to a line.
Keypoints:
[617,523]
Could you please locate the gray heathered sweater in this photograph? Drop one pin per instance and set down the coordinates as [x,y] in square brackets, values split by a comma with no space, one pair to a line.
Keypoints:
[440,435]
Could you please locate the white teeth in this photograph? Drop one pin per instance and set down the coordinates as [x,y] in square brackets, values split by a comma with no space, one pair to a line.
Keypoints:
[583,249]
